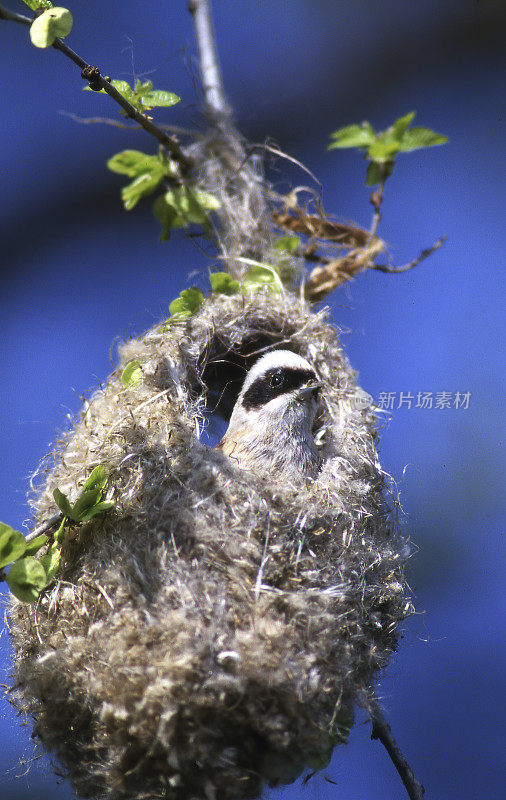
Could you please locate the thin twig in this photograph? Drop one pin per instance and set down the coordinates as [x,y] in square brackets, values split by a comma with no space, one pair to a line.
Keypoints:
[376,200]
[13,17]
[381,730]
[423,255]
[46,526]
[214,95]
[117,124]
[93,76]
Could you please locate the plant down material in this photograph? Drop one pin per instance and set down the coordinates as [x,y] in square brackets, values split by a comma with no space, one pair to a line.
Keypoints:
[212,633]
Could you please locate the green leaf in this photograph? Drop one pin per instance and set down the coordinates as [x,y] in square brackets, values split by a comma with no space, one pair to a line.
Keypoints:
[184,205]
[159,99]
[352,136]
[401,125]
[62,502]
[385,148]
[122,87]
[141,186]
[52,24]
[378,173]
[140,89]
[147,170]
[143,97]
[36,4]
[192,205]
[286,244]
[51,561]
[12,544]
[166,216]
[260,276]
[26,579]
[188,302]
[86,500]
[207,200]
[58,535]
[189,207]
[132,375]
[98,508]
[382,148]
[35,545]
[97,479]
[389,143]
[181,206]
[417,138]
[133,163]
[223,283]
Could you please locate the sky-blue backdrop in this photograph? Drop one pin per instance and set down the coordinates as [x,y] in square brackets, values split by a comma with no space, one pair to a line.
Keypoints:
[77,271]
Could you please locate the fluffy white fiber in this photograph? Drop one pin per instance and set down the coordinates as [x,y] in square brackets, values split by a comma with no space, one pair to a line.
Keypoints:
[213,632]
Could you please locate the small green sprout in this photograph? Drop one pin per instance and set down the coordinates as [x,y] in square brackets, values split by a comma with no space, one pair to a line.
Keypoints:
[35,5]
[89,503]
[223,283]
[188,302]
[182,206]
[146,170]
[382,148]
[28,575]
[131,377]
[260,276]
[142,96]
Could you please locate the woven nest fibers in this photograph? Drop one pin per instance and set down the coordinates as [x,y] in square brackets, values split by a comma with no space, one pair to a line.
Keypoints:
[212,632]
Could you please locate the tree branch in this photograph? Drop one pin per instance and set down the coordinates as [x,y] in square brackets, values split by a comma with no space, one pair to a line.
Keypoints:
[52,522]
[214,95]
[423,255]
[376,201]
[97,82]
[381,730]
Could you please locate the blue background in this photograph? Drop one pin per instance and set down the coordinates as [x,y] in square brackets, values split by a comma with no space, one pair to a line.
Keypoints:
[78,272]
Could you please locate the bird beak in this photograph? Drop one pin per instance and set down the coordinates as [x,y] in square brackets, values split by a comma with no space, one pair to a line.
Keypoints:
[310,388]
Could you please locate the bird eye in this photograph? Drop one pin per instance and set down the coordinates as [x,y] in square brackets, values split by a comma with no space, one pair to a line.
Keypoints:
[276,380]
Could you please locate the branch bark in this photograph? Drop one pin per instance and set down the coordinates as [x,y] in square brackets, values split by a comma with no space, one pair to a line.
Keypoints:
[381,730]
[423,255]
[214,95]
[52,522]
[95,79]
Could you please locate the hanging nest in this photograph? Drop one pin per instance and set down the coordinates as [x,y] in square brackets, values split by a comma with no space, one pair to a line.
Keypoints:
[212,633]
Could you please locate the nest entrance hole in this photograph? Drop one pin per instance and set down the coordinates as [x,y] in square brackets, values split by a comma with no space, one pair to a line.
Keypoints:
[224,370]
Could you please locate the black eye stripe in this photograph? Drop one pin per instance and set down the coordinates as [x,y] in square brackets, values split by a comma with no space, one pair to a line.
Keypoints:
[262,390]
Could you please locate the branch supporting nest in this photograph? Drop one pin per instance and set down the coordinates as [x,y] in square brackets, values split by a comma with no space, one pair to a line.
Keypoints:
[216,105]
[381,730]
[44,527]
[98,82]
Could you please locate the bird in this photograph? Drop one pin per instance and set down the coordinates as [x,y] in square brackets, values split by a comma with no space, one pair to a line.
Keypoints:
[270,429]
